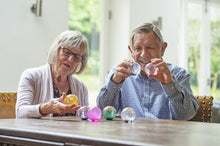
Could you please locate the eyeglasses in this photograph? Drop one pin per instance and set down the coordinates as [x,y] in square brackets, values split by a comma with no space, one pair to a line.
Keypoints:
[68,53]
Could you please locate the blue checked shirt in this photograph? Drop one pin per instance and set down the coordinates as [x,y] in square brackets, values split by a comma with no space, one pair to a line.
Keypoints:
[150,98]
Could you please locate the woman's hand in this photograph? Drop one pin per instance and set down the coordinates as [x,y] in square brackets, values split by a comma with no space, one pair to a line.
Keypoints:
[57,106]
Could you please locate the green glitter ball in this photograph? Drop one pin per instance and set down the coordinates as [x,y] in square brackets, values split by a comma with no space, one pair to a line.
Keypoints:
[109,112]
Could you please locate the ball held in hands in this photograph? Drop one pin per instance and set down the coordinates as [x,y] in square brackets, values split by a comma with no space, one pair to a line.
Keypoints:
[71,99]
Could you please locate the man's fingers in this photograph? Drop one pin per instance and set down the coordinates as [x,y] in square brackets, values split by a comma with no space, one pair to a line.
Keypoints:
[123,70]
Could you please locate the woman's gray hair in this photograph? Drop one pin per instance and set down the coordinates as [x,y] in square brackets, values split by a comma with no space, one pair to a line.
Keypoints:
[147,27]
[70,39]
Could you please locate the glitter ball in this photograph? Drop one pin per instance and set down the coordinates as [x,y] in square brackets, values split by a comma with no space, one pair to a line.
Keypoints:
[94,113]
[135,68]
[150,69]
[128,115]
[71,99]
[82,112]
[109,112]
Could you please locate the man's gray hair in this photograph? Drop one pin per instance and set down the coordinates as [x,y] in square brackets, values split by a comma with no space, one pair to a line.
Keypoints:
[147,27]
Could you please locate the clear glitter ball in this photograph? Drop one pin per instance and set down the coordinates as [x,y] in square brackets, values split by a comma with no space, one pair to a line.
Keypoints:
[135,68]
[128,115]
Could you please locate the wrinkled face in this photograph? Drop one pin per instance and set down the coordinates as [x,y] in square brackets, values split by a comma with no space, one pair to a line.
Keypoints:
[66,63]
[145,47]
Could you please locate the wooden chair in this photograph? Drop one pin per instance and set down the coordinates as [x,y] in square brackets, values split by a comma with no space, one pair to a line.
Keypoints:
[7,105]
[204,112]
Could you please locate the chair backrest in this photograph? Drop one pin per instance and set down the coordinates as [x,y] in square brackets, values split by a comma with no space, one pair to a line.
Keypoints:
[204,112]
[7,105]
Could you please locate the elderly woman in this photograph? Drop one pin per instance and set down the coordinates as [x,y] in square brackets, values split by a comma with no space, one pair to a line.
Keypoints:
[41,90]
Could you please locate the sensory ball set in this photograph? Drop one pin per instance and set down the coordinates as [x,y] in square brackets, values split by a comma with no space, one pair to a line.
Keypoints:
[95,113]
[109,113]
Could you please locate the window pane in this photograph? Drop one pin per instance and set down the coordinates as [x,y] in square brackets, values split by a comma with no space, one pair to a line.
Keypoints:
[194,15]
[84,16]
[215,52]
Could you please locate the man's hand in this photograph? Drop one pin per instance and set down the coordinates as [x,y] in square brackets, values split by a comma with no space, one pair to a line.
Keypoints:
[122,71]
[163,73]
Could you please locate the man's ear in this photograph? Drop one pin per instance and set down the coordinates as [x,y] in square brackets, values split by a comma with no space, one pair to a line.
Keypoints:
[129,48]
[163,48]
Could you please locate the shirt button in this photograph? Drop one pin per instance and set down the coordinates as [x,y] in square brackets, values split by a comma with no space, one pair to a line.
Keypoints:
[145,109]
[146,95]
[147,82]
[172,87]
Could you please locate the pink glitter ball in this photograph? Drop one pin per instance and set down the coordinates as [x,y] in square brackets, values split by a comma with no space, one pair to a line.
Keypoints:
[150,69]
[94,113]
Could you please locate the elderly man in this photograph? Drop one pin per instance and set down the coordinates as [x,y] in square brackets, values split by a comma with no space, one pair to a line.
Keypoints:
[163,95]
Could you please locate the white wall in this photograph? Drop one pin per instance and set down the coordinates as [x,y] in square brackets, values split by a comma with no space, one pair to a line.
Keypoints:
[25,38]
[114,34]
[127,14]
[119,26]
[148,11]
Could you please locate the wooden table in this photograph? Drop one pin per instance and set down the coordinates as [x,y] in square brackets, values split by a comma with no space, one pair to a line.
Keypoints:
[74,131]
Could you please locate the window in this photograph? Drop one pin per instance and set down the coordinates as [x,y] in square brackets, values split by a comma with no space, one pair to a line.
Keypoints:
[204,46]
[84,16]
